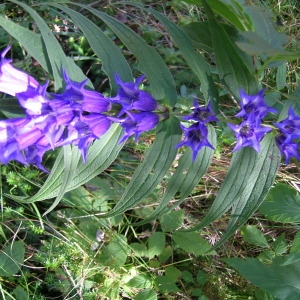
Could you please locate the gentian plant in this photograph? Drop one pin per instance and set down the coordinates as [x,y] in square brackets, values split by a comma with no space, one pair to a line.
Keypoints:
[92,127]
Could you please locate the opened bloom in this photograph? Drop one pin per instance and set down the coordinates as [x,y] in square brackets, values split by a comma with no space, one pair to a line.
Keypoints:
[12,80]
[137,123]
[130,97]
[290,127]
[249,133]
[76,116]
[287,148]
[254,104]
[195,137]
[202,114]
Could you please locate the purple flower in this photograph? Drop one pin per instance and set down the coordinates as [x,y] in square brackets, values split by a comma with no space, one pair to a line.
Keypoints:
[287,148]
[137,123]
[249,133]
[195,137]
[9,147]
[35,152]
[202,114]
[34,100]
[132,98]
[76,97]
[12,80]
[290,127]
[254,104]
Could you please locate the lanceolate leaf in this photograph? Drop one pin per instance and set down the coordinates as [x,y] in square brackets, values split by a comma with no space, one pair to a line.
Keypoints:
[113,62]
[100,155]
[231,11]
[230,65]
[195,60]
[158,160]
[57,58]
[185,178]
[30,40]
[249,178]
[71,159]
[150,62]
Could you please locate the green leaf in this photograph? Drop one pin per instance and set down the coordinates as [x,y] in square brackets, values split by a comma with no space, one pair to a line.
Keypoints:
[234,12]
[296,244]
[262,295]
[113,62]
[254,236]
[263,22]
[158,160]
[12,258]
[191,242]
[20,293]
[231,67]
[249,178]
[150,62]
[31,41]
[146,294]
[71,159]
[115,254]
[165,255]
[141,281]
[53,50]
[11,105]
[187,276]
[100,155]
[281,76]
[166,284]
[171,220]
[139,249]
[156,243]
[282,281]
[195,60]
[279,246]
[201,277]
[173,273]
[185,178]
[282,204]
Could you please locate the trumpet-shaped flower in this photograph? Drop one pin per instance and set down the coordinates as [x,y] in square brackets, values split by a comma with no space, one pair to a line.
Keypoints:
[290,127]
[77,97]
[12,80]
[34,100]
[254,104]
[249,133]
[195,137]
[287,148]
[132,98]
[137,123]
[202,114]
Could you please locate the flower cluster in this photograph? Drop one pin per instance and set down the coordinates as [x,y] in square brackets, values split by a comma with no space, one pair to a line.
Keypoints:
[77,116]
[137,109]
[250,132]
[195,136]
[289,132]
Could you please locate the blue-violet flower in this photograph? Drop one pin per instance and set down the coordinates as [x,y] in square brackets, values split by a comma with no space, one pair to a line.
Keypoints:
[132,98]
[290,126]
[254,104]
[249,133]
[195,137]
[137,123]
[287,148]
[202,114]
